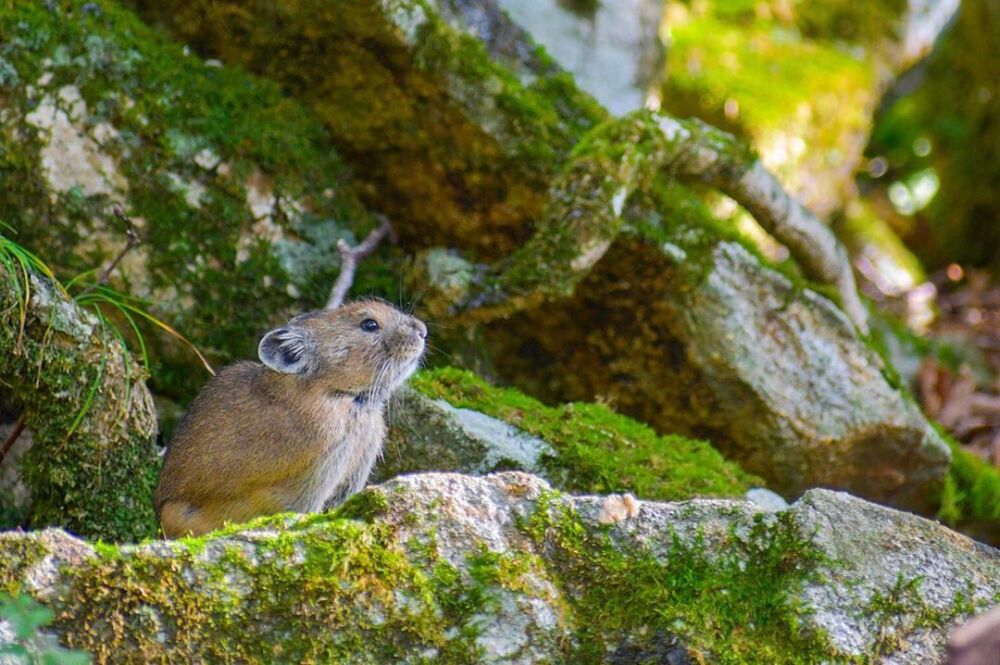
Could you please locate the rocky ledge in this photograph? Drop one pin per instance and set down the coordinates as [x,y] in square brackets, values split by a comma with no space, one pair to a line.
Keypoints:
[447,568]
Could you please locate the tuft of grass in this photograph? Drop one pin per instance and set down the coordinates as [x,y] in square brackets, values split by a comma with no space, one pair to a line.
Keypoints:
[95,296]
[129,307]
[19,261]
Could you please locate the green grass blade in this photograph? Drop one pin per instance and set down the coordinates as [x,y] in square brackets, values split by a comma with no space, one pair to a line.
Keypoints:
[94,386]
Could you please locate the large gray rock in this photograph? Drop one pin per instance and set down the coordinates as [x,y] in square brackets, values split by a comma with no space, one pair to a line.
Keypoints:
[802,401]
[726,349]
[503,570]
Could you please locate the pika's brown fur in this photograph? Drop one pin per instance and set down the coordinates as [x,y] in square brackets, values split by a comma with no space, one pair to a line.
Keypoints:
[301,429]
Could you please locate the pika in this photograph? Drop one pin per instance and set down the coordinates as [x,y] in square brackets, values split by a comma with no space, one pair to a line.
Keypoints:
[301,429]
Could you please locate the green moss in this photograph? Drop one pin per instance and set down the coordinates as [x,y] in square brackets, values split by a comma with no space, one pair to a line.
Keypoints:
[365,506]
[970,500]
[598,449]
[331,590]
[701,596]
[900,609]
[18,555]
[715,59]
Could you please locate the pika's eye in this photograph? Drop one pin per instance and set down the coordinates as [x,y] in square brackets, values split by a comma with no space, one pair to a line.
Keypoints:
[369,325]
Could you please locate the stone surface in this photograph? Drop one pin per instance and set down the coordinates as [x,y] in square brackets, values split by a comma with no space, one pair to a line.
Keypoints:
[613,49]
[806,404]
[510,555]
[430,434]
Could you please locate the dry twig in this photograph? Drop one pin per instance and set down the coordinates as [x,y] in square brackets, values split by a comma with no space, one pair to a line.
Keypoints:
[132,239]
[349,257]
[14,433]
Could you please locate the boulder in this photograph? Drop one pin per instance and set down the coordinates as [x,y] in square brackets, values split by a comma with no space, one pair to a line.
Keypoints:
[502,569]
[452,420]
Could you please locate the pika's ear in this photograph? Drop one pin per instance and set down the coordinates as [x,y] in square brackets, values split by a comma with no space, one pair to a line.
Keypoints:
[289,350]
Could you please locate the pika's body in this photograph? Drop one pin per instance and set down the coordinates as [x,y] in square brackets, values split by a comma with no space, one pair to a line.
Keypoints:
[291,434]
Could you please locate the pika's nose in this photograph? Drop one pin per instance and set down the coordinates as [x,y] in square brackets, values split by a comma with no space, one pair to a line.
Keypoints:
[421,329]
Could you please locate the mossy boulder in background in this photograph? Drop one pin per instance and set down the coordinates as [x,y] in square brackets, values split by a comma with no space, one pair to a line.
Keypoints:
[238,193]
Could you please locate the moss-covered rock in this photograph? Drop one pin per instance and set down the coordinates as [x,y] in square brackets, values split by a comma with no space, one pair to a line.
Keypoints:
[454,141]
[238,193]
[452,420]
[454,569]
[737,354]
[93,462]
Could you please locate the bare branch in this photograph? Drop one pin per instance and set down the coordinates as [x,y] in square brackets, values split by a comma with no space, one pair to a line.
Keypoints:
[349,257]
[14,434]
[132,239]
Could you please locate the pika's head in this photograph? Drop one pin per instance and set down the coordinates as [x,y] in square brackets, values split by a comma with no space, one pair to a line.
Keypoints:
[366,348]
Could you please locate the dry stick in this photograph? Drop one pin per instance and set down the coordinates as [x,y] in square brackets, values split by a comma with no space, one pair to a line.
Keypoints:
[16,432]
[133,239]
[349,257]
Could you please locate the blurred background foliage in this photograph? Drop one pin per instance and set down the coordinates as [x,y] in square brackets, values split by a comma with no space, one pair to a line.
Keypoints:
[899,148]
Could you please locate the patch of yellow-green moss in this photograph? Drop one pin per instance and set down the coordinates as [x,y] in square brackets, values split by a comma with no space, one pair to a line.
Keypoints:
[18,555]
[333,590]
[768,70]
[970,500]
[698,598]
[597,450]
